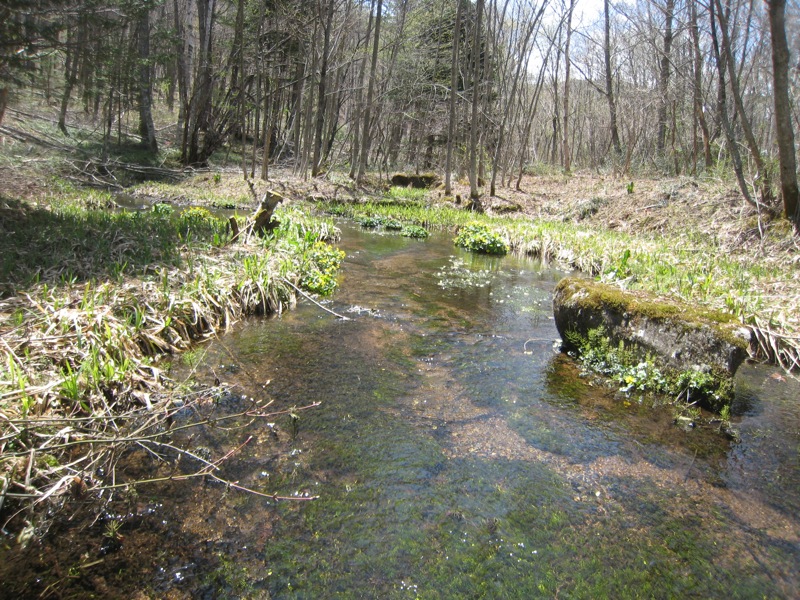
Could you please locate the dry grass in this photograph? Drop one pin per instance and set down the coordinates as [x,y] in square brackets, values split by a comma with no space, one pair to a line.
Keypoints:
[93,300]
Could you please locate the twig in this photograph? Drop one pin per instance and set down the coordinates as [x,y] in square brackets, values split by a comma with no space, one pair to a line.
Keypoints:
[525,345]
[307,297]
[686,477]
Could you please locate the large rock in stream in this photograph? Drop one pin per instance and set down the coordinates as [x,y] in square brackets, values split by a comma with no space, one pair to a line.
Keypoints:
[677,336]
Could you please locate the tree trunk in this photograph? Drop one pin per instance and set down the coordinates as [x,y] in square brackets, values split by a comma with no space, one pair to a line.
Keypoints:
[70,78]
[316,163]
[663,85]
[565,140]
[355,154]
[365,131]
[182,74]
[738,104]
[612,105]
[722,107]
[508,113]
[697,91]
[474,195]
[451,125]
[199,114]
[776,10]
[147,129]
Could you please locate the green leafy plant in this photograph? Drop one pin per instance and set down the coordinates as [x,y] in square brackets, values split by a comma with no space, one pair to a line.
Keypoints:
[619,269]
[322,264]
[162,210]
[622,365]
[414,231]
[478,237]
[199,220]
[392,224]
[368,221]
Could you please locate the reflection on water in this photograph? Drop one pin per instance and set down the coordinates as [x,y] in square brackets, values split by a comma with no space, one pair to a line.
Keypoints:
[456,454]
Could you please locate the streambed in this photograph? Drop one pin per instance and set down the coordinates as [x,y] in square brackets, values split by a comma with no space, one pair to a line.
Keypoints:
[457,454]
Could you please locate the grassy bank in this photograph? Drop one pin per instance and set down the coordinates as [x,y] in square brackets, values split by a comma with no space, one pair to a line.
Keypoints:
[93,299]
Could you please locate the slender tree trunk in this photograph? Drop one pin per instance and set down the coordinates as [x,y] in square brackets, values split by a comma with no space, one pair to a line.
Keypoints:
[269,122]
[697,91]
[508,115]
[199,113]
[612,105]
[355,154]
[530,114]
[474,195]
[722,107]
[664,75]
[316,163]
[147,129]
[70,78]
[182,73]
[3,102]
[451,125]
[565,140]
[373,69]
[738,104]
[776,10]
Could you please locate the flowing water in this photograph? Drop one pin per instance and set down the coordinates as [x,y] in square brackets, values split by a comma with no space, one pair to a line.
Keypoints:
[457,454]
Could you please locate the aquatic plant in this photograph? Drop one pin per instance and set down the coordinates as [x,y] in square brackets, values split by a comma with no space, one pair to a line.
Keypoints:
[414,231]
[368,222]
[320,265]
[479,237]
[624,366]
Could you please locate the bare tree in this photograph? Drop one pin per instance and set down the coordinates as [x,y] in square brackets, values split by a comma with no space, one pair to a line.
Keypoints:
[697,89]
[474,194]
[451,127]
[365,139]
[664,76]
[612,105]
[566,156]
[147,129]
[776,10]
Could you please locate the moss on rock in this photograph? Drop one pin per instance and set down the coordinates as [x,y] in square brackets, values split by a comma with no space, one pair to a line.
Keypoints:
[676,336]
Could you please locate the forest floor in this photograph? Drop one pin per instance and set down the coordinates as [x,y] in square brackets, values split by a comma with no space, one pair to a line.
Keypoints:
[644,204]
[706,212]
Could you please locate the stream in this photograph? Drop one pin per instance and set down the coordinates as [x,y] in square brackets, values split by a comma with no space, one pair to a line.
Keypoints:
[456,453]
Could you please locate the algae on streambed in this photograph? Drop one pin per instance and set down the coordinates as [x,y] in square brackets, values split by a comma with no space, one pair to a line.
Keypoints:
[455,454]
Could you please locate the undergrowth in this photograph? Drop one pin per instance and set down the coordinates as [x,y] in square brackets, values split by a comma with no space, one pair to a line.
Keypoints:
[624,366]
[94,298]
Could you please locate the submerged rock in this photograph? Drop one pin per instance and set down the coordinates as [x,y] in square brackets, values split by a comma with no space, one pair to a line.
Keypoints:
[677,336]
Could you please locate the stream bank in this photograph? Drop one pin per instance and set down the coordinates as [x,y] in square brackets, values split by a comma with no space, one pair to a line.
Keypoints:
[455,453]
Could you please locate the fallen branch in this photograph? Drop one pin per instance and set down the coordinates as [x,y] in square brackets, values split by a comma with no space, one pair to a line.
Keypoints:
[307,297]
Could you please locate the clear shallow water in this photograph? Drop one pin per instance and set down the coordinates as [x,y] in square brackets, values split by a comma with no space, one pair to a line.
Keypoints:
[457,455]
[454,453]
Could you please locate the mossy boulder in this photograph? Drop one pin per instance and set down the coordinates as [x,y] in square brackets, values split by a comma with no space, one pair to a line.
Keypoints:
[677,337]
[419,180]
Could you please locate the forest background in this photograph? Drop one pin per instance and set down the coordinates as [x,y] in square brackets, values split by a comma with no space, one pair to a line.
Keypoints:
[487,90]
